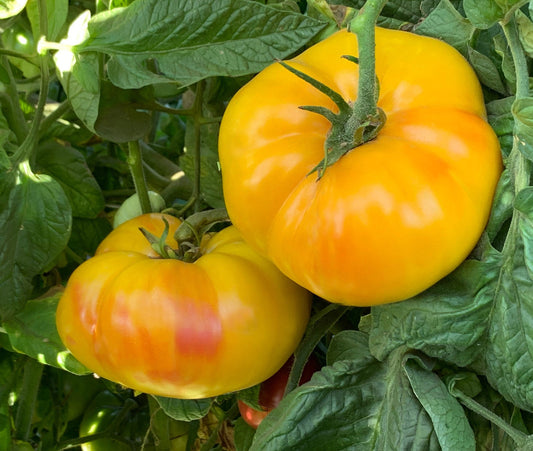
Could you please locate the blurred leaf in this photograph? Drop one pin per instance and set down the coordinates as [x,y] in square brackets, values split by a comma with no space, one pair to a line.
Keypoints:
[87,234]
[185,409]
[522,110]
[244,435]
[483,13]
[210,178]
[56,11]
[10,8]
[486,70]
[33,332]
[79,74]
[502,210]
[445,23]
[68,167]
[525,29]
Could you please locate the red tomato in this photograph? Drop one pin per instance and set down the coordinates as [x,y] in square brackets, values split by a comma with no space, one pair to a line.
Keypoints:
[272,390]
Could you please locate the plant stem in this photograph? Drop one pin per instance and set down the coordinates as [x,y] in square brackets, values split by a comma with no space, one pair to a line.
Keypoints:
[197,118]
[14,54]
[518,164]
[28,145]
[136,168]
[363,25]
[517,436]
[31,380]
[10,99]
[61,109]
[192,229]
[353,125]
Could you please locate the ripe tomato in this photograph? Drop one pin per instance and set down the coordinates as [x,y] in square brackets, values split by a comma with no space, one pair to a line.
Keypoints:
[392,216]
[186,330]
[272,390]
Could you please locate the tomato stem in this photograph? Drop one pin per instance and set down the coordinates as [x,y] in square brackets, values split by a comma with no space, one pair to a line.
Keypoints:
[363,25]
[31,380]
[197,121]
[517,436]
[190,232]
[518,164]
[135,164]
[27,147]
[354,124]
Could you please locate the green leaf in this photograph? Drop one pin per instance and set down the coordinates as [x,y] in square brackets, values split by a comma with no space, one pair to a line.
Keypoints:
[502,209]
[448,321]
[445,23]
[79,74]
[35,219]
[480,316]
[449,419]
[5,431]
[87,234]
[33,332]
[244,435]
[185,409]
[223,38]
[352,404]
[522,110]
[68,167]
[509,347]
[349,345]
[210,178]
[10,8]
[119,119]
[56,11]
[400,11]
[524,202]
[500,116]
[507,63]
[319,325]
[483,13]
[486,70]
[525,30]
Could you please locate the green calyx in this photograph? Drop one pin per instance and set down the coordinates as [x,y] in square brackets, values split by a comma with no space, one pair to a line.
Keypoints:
[361,122]
[350,127]
[188,236]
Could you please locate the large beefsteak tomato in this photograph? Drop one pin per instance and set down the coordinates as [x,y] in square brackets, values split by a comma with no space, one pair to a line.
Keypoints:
[390,217]
[187,330]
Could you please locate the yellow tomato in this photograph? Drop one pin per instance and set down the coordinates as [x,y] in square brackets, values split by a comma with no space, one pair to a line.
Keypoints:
[187,330]
[392,216]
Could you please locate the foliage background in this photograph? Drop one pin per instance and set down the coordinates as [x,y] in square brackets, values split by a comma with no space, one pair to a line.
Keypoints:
[94,93]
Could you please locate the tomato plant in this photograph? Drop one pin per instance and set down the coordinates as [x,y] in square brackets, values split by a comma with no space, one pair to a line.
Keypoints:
[390,217]
[272,390]
[179,329]
[359,161]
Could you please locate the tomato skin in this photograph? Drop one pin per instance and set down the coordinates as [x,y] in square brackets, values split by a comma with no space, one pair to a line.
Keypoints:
[394,215]
[176,329]
[272,391]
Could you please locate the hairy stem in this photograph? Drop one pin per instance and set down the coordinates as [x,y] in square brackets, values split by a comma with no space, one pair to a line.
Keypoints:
[135,163]
[363,25]
[31,380]
[518,164]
